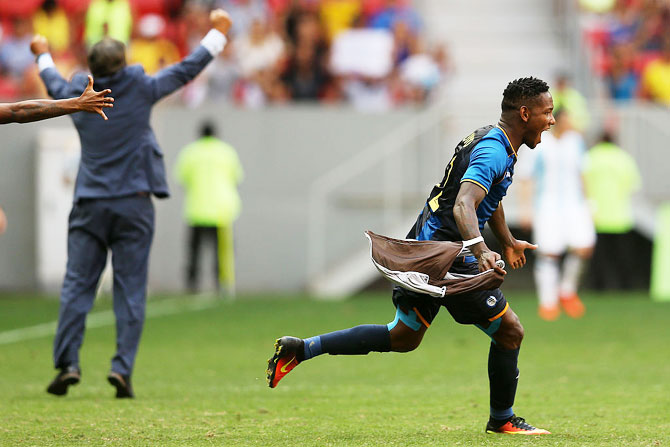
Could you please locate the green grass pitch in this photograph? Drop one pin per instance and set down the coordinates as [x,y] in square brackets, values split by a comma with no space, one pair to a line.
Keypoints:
[199,379]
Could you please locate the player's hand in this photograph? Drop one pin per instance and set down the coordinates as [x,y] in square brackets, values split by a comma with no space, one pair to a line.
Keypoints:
[220,20]
[39,45]
[487,260]
[514,254]
[94,102]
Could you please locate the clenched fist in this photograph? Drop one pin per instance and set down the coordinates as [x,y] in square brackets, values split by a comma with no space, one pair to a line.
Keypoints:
[220,20]
[39,45]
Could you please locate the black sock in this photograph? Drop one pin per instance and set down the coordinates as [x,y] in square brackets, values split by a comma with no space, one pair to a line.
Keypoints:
[503,378]
[358,340]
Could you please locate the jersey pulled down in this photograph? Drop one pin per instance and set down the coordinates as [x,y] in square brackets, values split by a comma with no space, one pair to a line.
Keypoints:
[486,158]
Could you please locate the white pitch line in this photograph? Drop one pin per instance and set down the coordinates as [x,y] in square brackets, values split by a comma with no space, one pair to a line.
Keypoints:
[106,318]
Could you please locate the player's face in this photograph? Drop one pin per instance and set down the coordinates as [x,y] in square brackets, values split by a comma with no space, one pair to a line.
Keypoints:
[540,118]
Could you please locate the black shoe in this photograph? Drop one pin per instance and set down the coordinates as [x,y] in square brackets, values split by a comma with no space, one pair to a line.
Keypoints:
[289,351]
[66,377]
[514,426]
[124,389]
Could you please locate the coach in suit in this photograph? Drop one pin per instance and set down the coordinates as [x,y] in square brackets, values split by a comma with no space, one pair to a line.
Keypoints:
[121,168]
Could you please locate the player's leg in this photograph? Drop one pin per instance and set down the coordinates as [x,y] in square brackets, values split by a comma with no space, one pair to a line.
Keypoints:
[193,267]
[506,333]
[130,244]
[581,239]
[573,266]
[403,334]
[87,256]
[226,254]
[549,233]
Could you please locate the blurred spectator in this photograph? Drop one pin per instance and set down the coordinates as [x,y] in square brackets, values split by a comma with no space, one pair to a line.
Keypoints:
[15,55]
[150,49]
[568,98]
[339,15]
[305,76]
[244,12]
[394,11]
[110,18]
[656,77]
[51,22]
[622,81]
[261,49]
[209,170]
[611,177]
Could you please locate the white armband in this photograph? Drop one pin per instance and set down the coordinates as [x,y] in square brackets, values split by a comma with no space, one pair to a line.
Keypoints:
[214,41]
[474,241]
[45,61]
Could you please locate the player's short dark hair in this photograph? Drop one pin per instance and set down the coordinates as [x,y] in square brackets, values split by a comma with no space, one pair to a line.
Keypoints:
[521,91]
[207,129]
[106,57]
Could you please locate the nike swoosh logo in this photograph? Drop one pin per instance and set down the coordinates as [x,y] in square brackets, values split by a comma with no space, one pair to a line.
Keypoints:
[283,368]
[311,344]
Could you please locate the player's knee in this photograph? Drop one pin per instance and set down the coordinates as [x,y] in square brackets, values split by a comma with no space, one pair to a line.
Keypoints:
[513,336]
[511,332]
[406,345]
[404,341]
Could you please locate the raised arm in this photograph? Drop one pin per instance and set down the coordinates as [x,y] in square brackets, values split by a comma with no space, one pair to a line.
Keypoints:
[512,249]
[175,76]
[41,109]
[470,195]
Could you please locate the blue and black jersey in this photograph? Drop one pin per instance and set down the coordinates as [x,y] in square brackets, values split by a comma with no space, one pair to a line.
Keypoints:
[486,158]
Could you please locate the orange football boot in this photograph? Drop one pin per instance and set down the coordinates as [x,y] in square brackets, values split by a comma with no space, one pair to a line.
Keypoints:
[515,426]
[572,305]
[549,313]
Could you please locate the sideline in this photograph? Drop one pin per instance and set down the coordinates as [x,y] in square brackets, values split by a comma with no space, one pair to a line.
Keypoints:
[106,318]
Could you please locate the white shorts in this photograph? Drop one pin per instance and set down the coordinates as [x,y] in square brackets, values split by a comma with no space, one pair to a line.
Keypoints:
[557,230]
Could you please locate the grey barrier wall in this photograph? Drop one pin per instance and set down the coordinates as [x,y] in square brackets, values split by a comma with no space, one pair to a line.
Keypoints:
[283,149]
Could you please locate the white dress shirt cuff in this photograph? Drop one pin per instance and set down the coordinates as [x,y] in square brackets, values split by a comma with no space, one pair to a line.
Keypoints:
[45,61]
[214,41]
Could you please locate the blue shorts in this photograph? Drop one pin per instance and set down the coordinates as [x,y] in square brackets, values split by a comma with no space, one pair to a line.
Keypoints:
[479,307]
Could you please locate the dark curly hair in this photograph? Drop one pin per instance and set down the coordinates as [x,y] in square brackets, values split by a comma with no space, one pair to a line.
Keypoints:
[522,90]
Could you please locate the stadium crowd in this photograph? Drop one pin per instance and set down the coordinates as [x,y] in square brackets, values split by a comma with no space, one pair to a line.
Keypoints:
[629,43]
[370,53]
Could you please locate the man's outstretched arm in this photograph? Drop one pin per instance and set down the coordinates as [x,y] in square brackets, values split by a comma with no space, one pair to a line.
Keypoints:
[175,76]
[41,109]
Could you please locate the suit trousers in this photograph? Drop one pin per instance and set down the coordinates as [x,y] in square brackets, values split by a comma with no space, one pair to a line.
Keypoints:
[125,226]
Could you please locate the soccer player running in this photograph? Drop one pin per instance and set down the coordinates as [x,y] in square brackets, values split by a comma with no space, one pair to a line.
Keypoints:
[475,181]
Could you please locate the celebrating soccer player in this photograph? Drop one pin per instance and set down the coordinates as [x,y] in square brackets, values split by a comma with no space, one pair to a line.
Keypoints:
[475,181]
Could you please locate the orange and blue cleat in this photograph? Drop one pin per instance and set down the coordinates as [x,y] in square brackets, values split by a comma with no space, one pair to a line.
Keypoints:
[515,426]
[289,352]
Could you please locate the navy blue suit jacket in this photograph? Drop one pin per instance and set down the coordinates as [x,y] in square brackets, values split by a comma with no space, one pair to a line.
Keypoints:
[121,157]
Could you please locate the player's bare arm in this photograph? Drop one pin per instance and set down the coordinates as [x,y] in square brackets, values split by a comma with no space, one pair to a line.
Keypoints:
[465,214]
[513,249]
[41,109]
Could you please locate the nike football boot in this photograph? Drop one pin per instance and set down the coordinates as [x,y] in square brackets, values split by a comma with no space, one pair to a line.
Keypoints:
[289,352]
[515,426]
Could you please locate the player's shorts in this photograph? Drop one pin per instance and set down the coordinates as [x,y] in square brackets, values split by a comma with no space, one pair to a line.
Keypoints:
[478,307]
[555,231]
